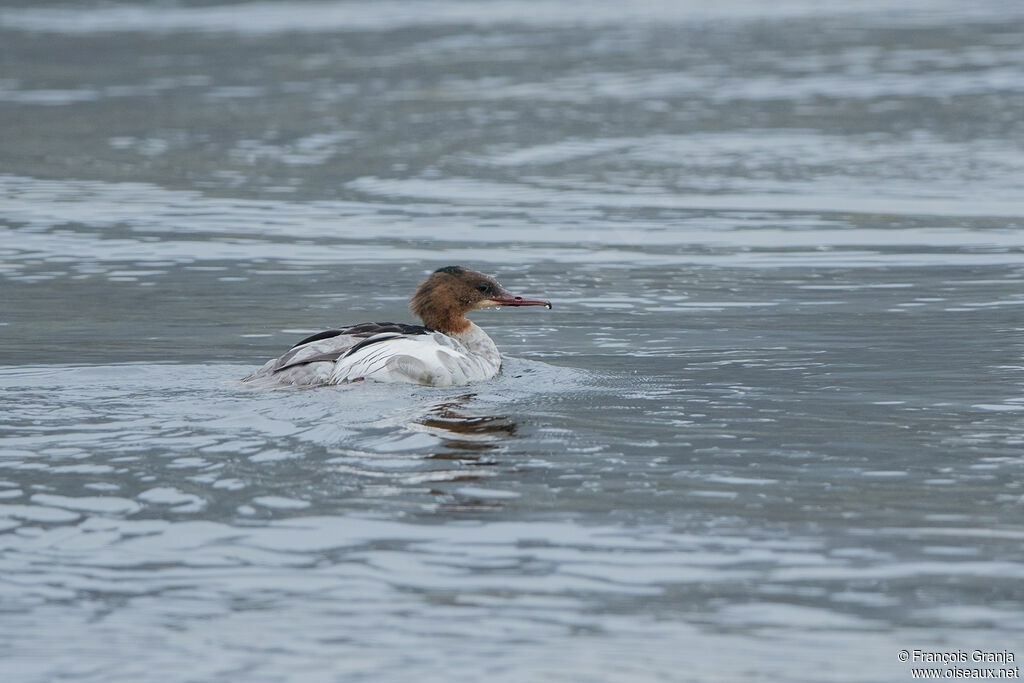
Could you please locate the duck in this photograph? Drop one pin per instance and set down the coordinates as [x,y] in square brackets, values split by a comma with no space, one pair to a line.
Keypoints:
[446,350]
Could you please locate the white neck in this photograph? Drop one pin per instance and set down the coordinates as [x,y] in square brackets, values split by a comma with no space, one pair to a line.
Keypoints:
[478,343]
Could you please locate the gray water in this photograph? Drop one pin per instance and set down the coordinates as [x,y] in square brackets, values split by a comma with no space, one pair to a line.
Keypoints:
[773,428]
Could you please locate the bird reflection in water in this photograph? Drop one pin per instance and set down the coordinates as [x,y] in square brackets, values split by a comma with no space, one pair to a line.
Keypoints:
[468,437]
[467,441]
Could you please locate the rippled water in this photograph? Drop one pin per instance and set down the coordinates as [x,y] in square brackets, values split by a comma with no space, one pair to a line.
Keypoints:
[772,429]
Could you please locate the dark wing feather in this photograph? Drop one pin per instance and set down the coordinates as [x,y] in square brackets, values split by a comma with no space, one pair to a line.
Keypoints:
[370,329]
[371,340]
[367,330]
[327,334]
[330,356]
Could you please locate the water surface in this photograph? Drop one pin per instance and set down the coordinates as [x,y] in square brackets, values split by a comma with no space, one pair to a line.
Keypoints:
[772,428]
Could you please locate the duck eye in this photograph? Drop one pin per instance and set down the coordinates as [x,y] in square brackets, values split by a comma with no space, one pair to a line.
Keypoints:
[483,287]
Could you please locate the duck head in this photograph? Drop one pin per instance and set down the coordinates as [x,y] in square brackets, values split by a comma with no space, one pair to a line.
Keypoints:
[443,299]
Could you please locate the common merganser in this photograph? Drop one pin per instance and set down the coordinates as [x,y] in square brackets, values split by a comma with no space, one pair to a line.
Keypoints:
[446,350]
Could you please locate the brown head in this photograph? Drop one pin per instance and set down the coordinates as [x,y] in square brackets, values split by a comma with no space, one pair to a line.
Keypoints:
[444,299]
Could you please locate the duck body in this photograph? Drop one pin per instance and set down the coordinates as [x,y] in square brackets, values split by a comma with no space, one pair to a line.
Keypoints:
[449,350]
[386,352]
